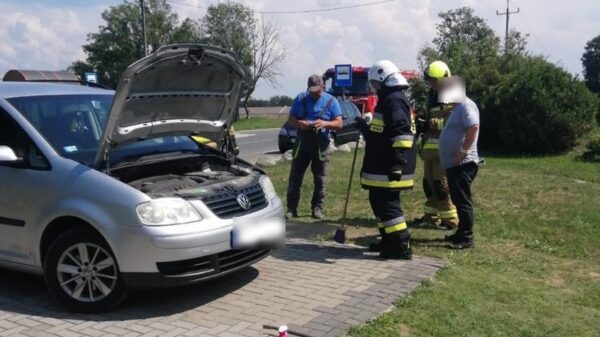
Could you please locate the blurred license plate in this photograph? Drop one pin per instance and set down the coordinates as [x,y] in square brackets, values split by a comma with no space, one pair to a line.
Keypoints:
[251,233]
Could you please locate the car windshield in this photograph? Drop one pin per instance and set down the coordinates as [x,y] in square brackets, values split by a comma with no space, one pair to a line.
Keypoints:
[73,125]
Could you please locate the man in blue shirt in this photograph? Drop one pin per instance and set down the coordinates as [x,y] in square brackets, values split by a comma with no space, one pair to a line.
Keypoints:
[314,112]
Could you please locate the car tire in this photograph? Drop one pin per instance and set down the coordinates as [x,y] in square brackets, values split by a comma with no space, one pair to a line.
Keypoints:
[82,273]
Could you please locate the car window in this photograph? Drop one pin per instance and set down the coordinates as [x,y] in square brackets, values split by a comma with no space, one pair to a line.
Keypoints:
[13,136]
[349,110]
[73,125]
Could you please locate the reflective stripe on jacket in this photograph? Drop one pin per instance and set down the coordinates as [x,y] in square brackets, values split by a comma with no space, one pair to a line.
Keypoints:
[390,144]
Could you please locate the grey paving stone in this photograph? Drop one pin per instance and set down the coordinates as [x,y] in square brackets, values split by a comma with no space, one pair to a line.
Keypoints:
[320,289]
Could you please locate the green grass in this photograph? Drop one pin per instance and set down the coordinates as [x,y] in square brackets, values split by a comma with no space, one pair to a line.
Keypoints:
[259,122]
[535,270]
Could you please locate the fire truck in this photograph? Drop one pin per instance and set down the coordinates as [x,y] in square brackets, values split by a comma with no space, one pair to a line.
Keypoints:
[359,93]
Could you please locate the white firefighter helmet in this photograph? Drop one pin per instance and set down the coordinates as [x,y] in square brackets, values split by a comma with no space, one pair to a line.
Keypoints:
[385,71]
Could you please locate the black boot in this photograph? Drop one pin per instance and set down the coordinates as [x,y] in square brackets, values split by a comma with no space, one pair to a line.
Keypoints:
[376,246]
[396,246]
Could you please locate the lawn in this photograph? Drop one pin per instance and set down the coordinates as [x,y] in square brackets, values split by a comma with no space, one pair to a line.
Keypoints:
[260,122]
[535,269]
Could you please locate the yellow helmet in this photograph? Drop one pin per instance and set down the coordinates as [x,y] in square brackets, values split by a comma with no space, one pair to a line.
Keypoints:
[437,69]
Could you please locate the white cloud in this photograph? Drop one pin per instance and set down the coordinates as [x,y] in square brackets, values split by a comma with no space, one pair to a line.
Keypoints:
[36,37]
[49,36]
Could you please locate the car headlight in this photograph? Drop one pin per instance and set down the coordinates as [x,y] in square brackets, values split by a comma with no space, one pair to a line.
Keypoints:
[283,132]
[167,211]
[268,187]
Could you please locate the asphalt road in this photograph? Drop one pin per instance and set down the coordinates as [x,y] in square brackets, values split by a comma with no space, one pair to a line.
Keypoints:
[254,143]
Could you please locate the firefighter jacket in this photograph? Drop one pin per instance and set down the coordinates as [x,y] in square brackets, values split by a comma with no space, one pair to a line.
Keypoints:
[390,143]
[436,117]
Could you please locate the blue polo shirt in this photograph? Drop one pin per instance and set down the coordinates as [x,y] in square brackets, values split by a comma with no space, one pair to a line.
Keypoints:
[305,107]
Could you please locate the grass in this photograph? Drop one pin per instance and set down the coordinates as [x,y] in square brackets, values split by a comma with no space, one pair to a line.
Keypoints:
[260,122]
[535,270]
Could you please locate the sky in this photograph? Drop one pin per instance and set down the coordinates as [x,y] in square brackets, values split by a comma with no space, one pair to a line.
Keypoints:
[48,34]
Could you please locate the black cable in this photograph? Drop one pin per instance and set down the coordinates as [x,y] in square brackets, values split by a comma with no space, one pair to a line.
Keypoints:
[300,11]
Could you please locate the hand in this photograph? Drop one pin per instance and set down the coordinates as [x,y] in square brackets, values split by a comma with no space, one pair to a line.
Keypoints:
[395,175]
[459,157]
[321,124]
[304,125]
[361,124]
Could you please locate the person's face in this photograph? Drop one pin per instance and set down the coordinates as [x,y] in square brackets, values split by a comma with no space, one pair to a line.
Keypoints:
[375,86]
[433,84]
[317,94]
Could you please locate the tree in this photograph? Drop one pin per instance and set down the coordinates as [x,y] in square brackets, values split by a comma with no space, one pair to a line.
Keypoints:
[527,104]
[591,67]
[463,39]
[233,26]
[281,101]
[119,42]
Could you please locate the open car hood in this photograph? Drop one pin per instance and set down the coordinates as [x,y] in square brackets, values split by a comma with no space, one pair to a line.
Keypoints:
[184,89]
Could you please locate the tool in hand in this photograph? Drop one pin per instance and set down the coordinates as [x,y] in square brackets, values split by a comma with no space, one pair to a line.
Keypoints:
[340,233]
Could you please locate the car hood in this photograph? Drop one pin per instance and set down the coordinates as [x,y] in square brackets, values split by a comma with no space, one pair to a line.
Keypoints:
[184,89]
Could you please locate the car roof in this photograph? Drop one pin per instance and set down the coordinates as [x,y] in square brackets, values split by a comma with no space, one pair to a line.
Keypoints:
[20,89]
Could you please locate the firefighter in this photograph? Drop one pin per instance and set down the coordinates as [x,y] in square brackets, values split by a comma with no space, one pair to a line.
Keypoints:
[438,208]
[389,160]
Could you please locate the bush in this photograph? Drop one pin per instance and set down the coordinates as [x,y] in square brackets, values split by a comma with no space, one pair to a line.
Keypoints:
[530,106]
[594,145]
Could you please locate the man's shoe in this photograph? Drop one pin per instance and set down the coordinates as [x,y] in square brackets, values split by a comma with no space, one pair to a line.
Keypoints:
[424,221]
[316,213]
[291,214]
[447,226]
[402,251]
[453,237]
[463,244]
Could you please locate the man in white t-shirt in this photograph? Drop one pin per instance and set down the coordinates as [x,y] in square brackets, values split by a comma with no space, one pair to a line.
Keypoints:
[458,156]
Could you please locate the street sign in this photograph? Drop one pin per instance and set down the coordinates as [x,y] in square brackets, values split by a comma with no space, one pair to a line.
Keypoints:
[343,75]
[91,77]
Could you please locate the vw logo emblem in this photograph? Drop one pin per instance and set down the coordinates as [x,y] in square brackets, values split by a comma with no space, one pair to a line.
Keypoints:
[243,201]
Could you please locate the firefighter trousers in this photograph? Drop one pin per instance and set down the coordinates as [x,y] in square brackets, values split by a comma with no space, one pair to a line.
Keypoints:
[386,207]
[435,185]
[318,160]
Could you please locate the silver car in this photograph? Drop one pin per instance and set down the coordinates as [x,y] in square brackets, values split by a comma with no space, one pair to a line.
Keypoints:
[103,191]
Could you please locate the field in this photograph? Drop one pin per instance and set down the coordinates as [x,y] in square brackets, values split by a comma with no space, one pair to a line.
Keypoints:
[259,122]
[535,269]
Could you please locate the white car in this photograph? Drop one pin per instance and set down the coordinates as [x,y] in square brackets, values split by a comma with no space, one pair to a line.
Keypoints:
[102,191]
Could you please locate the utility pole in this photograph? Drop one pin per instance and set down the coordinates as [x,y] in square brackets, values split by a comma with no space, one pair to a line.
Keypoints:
[507,13]
[144,27]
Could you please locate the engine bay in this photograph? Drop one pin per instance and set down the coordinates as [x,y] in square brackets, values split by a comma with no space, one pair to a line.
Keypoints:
[191,176]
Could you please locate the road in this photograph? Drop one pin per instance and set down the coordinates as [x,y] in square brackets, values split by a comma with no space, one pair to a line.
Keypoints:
[254,143]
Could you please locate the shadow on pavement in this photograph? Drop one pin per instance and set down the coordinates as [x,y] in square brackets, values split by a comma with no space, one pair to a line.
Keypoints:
[26,294]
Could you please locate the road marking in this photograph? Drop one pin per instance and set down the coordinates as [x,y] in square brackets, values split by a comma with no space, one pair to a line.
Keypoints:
[244,135]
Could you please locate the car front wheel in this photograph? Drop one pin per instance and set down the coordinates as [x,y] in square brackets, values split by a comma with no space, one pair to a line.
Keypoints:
[82,273]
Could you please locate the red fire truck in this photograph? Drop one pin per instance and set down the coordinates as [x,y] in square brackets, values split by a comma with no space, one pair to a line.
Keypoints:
[359,92]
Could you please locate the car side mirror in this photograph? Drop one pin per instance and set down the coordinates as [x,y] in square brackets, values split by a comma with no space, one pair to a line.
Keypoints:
[8,157]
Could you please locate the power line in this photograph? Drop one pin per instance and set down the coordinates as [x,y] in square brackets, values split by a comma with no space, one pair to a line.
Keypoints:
[507,13]
[373,3]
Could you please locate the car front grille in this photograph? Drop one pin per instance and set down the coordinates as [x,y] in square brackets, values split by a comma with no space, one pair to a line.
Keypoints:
[225,205]
[211,265]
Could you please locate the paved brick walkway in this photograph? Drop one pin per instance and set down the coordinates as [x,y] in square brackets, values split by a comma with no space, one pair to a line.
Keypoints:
[316,289]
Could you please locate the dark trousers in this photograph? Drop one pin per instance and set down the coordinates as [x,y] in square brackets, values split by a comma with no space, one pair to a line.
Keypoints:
[318,165]
[386,206]
[459,183]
